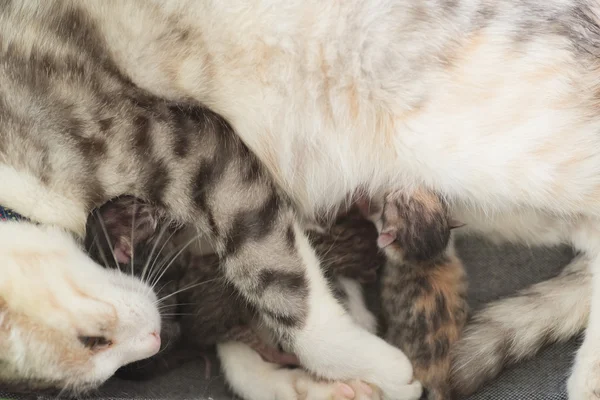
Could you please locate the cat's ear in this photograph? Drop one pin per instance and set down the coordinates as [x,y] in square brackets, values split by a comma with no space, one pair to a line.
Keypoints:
[122,251]
[454,224]
[386,238]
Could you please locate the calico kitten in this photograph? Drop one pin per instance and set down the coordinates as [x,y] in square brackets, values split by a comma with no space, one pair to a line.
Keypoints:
[78,132]
[423,285]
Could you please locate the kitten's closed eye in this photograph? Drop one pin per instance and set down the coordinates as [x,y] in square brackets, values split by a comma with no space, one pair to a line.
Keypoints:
[95,343]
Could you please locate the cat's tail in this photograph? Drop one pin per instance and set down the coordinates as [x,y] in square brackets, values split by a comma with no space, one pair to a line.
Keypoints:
[516,328]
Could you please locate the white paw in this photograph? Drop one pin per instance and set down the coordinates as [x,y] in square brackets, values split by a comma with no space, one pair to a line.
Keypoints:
[584,382]
[395,376]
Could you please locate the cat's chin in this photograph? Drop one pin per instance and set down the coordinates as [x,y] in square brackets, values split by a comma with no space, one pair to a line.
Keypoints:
[66,322]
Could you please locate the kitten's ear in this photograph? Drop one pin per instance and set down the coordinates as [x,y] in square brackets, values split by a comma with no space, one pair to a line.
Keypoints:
[122,251]
[456,224]
[386,238]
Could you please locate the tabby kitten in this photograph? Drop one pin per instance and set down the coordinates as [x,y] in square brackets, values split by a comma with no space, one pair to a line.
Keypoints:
[424,288]
[76,133]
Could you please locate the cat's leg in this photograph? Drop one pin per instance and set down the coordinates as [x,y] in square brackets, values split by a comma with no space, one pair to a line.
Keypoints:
[584,382]
[299,305]
[252,378]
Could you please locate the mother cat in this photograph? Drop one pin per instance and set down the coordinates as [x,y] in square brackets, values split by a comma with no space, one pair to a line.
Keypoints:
[492,103]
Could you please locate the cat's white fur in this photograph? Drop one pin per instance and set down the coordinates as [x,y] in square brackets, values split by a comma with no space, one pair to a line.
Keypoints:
[340,95]
[252,378]
[51,294]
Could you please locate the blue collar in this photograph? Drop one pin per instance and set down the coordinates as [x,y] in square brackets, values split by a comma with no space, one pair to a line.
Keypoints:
[7,214]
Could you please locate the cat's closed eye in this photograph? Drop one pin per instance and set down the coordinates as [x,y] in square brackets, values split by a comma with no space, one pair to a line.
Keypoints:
[95,342]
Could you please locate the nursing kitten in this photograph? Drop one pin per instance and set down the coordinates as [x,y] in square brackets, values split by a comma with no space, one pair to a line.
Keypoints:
[77,132]
[423,285]
[201,308]
[424,288]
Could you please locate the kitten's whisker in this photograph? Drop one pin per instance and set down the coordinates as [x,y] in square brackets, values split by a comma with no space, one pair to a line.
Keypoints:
[103,226]
[195,238]
[184,289]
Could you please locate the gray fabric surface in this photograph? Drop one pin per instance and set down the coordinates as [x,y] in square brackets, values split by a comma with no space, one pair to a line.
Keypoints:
[494,272]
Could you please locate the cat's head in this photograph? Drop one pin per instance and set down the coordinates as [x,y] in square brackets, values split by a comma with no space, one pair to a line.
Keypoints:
[66,322]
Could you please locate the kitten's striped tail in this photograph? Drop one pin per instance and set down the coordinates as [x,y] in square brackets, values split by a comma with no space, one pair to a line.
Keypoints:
[516,328]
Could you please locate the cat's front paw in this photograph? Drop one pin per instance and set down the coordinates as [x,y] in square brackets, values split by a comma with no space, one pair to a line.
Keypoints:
[395,376]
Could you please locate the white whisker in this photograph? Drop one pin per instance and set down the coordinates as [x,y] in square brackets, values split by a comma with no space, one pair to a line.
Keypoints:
[101,221]
[176,305]
[154,259]
[195,238]
[184,289]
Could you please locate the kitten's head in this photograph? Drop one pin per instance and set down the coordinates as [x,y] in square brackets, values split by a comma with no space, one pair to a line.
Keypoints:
[65,322]
[415,227]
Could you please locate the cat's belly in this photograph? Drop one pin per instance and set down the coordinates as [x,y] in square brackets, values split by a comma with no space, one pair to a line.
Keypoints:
[525,226]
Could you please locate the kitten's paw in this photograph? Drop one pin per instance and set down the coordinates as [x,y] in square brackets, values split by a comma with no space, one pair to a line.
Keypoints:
[584,382]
